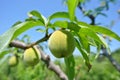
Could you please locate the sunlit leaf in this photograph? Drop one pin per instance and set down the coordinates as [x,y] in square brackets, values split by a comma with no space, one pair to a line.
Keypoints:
[88,32]
[105,31]
[18,22]
[68,25]
[15,31]
[100,29]
[61,24]
[59,15]
[72,4]
[38,15]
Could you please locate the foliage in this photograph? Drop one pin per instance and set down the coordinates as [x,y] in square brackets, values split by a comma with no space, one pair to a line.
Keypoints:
[101,70]
[85,35]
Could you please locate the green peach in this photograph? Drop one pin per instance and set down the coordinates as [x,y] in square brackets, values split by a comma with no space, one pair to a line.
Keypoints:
[31,56]
[13,61]
[61,43]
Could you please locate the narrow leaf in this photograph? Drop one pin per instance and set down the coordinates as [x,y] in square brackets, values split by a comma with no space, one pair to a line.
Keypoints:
[72,4]
[100,29]
[105,31]
[85,43]
[84,54]
[73,26]
[88,32]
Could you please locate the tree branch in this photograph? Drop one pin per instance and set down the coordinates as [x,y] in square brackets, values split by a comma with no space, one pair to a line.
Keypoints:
[44,57]
[89,15]
[104,50]
[45,38]
[113,61]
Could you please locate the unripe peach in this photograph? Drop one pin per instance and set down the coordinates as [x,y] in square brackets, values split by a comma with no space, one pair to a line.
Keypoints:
[13,61]
[31,56]
[61,43]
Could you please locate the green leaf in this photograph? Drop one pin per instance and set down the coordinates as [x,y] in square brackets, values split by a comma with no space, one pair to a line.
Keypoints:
[72,4]
[105,31]
[103,14]
[100,29]
[38,15]
[40,30]
[86,29]
[105,44]
[98,50]
[70,67]
[15,31]
[99,9]
[73,26]
[18,22]
[3,53]
[83,24]
[35,13]
[92,41]
[84,40]
[85,43]
[65,24]
[84,54]
[59,15]
[88,32]
[61,24]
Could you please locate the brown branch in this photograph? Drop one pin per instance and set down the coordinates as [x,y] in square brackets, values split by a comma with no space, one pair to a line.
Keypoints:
[44,57]
[45,38]
[18,44]
[89,15]
[104,50]
[111,59]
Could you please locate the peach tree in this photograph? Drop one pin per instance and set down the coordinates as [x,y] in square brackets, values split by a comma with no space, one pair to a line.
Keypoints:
[64,32]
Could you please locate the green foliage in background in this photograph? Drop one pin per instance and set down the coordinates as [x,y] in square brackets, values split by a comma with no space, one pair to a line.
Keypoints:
[85,35]
[101,70]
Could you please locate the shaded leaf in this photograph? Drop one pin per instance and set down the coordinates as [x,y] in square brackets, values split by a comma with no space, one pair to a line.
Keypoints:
[103,14]
[85,42]
[40,30]
[84,54]
[73,26]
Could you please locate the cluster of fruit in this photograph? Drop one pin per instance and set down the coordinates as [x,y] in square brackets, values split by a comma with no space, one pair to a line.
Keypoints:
[61,44]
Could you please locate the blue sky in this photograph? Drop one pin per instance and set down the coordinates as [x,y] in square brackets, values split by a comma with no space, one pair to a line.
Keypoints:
[14,10]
